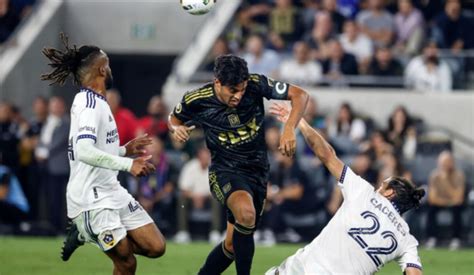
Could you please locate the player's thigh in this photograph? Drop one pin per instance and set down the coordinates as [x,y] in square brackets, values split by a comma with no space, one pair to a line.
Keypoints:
[142,230]
[149,239]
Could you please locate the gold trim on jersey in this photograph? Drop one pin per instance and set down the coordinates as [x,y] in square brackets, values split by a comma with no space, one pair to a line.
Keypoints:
[254,77]
[202,93]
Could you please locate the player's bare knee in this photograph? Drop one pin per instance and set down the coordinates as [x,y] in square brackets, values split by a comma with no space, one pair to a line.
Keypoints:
[157,250]
[247,218]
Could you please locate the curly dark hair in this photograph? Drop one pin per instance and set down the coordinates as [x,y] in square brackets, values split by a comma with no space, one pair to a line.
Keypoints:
[230,70]
[407,196]
[70,61]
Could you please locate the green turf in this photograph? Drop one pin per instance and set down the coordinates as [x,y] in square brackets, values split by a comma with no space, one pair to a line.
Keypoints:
[41,256]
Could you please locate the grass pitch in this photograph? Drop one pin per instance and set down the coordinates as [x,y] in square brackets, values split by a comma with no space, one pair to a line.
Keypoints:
[40,256]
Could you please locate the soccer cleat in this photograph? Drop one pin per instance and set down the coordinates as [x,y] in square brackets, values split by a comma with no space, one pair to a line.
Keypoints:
[71,243]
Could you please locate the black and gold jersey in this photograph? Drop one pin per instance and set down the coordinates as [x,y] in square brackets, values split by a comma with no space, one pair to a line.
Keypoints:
[235,136]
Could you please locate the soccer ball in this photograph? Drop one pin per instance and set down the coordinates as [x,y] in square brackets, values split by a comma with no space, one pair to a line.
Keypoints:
[197,7]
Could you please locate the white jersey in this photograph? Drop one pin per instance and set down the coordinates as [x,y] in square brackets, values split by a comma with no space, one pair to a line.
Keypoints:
[365,233]
[91,187]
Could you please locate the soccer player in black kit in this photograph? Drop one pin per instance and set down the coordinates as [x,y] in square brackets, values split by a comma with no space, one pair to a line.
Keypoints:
[231,113]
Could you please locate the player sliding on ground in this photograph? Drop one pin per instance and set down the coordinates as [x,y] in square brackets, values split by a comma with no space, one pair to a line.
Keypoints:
[367,231]
[102,211]
[231,112]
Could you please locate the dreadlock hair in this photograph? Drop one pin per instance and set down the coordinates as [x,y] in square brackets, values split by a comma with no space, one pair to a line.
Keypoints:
[407,196]
[230,70]
[70,61]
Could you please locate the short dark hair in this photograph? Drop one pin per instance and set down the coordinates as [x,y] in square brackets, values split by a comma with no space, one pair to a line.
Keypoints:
[69,61]
[230,70]
[407,196]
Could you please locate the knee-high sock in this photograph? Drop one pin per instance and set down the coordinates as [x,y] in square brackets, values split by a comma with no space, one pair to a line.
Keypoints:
[244,248]
[218,260]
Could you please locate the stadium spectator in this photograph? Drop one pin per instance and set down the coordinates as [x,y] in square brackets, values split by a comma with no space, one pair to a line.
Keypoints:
[320,34]
[428,73]
[377,23]
[220,47]
[290,193]
[9,19]
[389,164]
[452,28]
[337,18]
[253,17]
[156,192]
[409,27]
[362,164]
[259,59]
[29,142]
[376,146]
[400,133]
[195,197]
[383,63]
[13,203]
[313,116]
[300,69]
[286,26]
[339,63]
[348,131]
[52,152]
[356,43]
[155,123]
[348,8]
[125,119]
[446,192]
[9,138]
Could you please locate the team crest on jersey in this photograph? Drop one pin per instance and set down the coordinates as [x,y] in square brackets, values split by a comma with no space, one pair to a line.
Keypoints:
[110,118]
[233,119]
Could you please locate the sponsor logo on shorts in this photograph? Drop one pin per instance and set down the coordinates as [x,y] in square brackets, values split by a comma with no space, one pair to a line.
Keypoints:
[227,187]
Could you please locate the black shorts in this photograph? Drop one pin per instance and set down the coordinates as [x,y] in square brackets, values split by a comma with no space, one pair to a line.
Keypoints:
[223,184]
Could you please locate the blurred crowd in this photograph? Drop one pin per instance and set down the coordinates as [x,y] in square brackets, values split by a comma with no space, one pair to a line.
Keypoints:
[301,193]
[12,12]
[412,43]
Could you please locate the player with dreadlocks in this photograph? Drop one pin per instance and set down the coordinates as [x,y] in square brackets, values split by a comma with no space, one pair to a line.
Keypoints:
[101,210]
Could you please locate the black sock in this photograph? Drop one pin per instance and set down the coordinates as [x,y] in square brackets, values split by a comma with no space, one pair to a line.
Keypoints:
[244,248]
[218,260]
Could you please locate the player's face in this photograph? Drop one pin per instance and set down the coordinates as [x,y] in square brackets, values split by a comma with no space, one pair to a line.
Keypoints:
[231,95]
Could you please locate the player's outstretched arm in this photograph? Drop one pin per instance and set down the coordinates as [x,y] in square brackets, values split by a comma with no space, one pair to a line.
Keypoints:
[89,154]
[318,144]
[179,131]
[298,98]
[412,271]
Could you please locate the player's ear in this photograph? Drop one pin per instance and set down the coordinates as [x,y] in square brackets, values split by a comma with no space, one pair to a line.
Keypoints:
[217,83]
[103,70]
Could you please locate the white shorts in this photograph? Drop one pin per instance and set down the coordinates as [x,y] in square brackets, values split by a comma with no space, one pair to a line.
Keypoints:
[106,227]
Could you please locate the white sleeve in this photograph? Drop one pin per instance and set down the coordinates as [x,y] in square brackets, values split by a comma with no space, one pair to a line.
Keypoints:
[410,257]
[445,78]
[353,186]
[88,153]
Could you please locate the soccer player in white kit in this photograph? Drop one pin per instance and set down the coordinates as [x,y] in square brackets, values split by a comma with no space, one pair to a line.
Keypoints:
[367,231]
[101,210]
